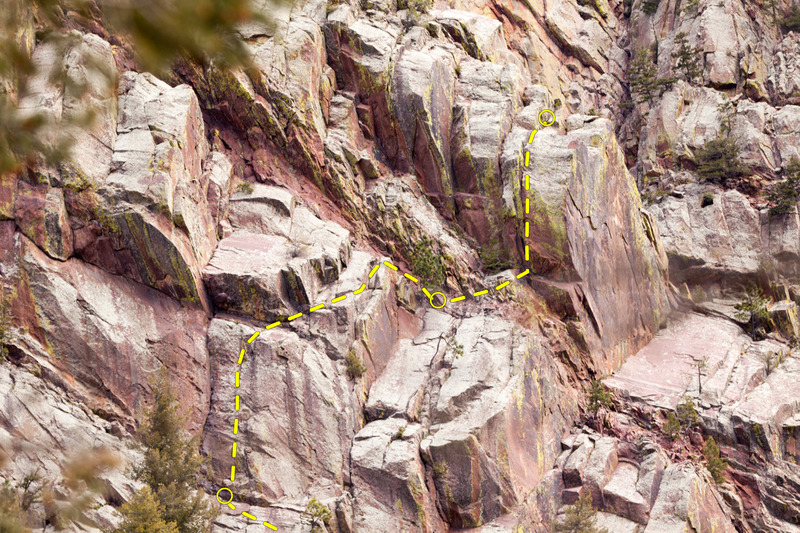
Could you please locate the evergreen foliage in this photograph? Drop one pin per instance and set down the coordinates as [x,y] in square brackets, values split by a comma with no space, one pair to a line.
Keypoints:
[688,58]
[791,22]
[686,412]
[718,162]
[156,32]
[752,309]
[318,514]
[599,396]
[143,514]
[716,466]
[426,263]
[642,76]
[355,366]
[650,6]
[672,427]
[171,463]
[783,195]
[580,517]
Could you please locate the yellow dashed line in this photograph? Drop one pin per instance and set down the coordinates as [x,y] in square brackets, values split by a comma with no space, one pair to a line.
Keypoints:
[362,289]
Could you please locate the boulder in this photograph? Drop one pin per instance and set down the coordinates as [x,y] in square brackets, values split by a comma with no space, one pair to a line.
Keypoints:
[621,496]
[600,466]
[576,463]
[688,499]
[481,37]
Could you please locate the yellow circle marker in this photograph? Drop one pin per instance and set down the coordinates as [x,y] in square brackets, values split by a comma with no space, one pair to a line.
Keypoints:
[228,503]
[545,124]
[444,300]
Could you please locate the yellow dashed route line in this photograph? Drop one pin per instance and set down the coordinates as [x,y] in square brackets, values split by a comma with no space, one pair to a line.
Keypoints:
[358,291]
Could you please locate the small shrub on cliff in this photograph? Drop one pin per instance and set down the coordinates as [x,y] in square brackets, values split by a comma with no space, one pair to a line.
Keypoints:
[143,514]
[426,262]
[599,396]
[13,509]
[244,188]
[718,162]
[672,427]
[650,6]
[783,195]
[171,463]
[580,517]
[752,309]
[687,414]
[454,347]
[317,514]
[716,466]
[772,360]
[355,366]
[791,22]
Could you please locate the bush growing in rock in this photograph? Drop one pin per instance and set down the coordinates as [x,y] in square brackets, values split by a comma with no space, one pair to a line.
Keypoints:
[170,466]
[599,396]
[783,195]
[143,514]
[355,366]
[708,199]
[718,162]
[317,514]
[688,58]
[752,309]
[642,76]
[580,517]
[772,360]
[687,414]
[791,22]
[716,466]
[672,427]
[426,263]
[650,6]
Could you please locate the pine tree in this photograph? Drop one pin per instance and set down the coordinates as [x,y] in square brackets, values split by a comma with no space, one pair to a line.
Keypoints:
[672,427]
[783,196]
[688,58]
[171,462]
[580,517]
[599,396]
[753,310]
[143,515]
[718,162]
[687,414]
[642,76]
[716,466]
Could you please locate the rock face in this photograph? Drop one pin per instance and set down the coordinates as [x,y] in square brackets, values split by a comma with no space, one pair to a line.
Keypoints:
[586,207]
[193,214]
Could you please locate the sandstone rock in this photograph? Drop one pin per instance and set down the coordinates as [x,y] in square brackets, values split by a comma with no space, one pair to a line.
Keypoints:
[481,37]
[784,76]
[687,499]
[621,496]
[784,316]
[573,469]
[579,185]
[218,181]
[585,39]
[298,415]
[42,216]
[102,337]
[787,133]
[616,523]
[599,468]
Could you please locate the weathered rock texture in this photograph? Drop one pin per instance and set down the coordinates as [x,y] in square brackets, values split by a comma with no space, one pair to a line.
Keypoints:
[192,213]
